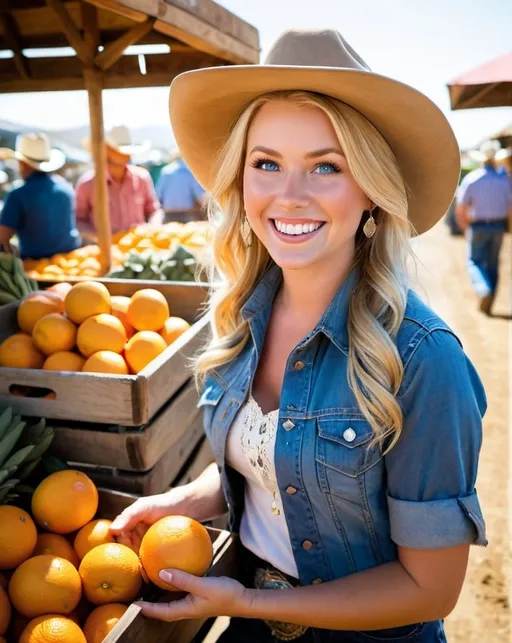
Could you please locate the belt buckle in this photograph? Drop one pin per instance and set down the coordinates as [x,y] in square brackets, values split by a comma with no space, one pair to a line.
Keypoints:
[273,579]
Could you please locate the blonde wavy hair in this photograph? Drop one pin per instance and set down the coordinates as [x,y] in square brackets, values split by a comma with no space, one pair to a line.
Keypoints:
[378,301]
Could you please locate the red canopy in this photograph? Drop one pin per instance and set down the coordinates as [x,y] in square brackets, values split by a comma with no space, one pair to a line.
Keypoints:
[489,85]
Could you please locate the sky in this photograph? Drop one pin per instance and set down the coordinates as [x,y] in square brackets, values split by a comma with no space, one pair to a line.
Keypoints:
[423,43]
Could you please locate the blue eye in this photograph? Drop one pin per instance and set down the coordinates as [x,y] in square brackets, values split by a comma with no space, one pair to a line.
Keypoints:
[327,168]
[266,165]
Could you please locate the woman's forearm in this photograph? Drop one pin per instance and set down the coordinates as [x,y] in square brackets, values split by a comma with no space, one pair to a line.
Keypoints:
[204,497]
[378,598]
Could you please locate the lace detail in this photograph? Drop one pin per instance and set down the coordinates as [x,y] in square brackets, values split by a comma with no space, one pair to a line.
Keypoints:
[258,440]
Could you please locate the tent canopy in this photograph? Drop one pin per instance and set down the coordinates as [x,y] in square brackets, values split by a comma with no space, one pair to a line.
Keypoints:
[489,85]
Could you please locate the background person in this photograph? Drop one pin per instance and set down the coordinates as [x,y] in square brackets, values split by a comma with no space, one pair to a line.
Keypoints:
[484,206]
[41,212]
[132,197]
[344,416]
[179,193]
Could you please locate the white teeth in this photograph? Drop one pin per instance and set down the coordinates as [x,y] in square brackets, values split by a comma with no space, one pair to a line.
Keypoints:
[296,229]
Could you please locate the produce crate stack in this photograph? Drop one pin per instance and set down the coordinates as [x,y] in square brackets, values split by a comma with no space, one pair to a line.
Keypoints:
[136,430]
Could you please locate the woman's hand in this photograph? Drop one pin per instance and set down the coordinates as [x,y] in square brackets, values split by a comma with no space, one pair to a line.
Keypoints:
[131,525]
[207,596]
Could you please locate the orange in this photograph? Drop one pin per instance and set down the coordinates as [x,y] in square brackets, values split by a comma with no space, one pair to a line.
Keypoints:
[173,328]
[65,501]
[52,628]
[119,308]
[18,351]
[102,620]
[61,288]
[94,533]
[56,545]
[148,310]
[86,299]
[101,333]
[54,333]
[176,542]
[110,573]
[18,536]
[45,585]
[64,361]
[36,306]
[142,348]
[106,362]
[5,611]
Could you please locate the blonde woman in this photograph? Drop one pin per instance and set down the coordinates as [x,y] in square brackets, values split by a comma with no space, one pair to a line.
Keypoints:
[344,416]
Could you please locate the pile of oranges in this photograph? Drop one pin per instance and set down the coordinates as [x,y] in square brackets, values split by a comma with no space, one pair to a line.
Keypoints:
[85,262]
[65,577]
[84,328]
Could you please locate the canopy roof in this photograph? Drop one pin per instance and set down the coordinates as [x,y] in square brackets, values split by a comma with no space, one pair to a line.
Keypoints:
[200,33]
[489,85]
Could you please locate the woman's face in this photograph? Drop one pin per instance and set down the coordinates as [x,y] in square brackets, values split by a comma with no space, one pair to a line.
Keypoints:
[299,196]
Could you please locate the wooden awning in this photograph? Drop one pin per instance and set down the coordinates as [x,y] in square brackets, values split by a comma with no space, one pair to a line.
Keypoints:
[199,33]
[489,85]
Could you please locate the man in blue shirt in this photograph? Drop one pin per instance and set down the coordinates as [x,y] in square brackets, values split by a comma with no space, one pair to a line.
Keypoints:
[41,212]
[179,193]
[484,206]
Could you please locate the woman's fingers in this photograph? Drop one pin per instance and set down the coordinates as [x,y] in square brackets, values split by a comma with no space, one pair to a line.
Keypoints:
[174,611]
[128,518]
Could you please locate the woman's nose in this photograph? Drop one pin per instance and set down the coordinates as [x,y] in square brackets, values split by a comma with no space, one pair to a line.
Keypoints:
[293,194]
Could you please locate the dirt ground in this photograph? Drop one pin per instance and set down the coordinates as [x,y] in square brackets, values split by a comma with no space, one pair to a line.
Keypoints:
[483,612]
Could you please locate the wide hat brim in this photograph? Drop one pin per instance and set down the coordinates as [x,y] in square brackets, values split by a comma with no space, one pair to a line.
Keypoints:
[204,105]
[56,160]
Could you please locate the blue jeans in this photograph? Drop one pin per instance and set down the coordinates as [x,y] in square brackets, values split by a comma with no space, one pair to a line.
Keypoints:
[484,245]
[241,630]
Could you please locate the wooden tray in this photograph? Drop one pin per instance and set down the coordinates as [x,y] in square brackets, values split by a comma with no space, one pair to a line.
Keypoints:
[161,476]
[133,627]
[130,400]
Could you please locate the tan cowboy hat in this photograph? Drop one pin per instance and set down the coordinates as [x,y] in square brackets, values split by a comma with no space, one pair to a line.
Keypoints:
[35,150]
[486,153]
[119,138]
[205,103]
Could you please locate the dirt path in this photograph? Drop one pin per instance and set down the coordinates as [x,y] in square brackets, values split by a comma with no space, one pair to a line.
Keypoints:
[483,612]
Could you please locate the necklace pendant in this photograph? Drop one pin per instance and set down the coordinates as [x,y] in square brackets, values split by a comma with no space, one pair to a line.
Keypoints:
[275,508]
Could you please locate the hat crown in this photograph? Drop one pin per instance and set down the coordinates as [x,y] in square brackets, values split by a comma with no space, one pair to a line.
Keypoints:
[120,135]
[314,48]
[34,146]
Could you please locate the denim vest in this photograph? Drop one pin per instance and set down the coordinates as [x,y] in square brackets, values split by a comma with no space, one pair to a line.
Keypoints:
[347,506]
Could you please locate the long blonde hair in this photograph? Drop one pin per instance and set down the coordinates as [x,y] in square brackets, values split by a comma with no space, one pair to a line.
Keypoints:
[378,301]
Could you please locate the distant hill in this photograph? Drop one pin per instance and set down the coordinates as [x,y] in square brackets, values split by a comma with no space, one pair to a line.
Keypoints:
[160,136]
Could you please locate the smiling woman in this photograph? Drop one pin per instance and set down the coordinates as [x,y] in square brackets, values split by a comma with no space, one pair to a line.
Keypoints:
[344,416]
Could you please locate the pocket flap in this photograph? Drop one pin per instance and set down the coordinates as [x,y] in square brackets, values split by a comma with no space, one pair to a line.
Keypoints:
[211,394]
[350,432]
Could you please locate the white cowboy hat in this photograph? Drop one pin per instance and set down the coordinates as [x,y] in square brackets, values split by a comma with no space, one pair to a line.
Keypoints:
[487,152]
[205,103]
[119,139]
[504,153]
[35,150]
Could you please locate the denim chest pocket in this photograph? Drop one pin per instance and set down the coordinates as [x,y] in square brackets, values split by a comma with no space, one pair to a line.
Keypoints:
[342,446]
[210,402]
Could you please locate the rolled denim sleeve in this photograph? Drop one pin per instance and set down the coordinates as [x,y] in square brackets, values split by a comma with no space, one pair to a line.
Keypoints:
[431,471]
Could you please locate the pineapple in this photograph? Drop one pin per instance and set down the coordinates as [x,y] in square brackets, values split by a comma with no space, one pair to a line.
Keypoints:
[21,448]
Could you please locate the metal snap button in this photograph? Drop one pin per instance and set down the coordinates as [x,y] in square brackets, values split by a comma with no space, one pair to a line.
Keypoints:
[349,434]
[307,545]
[299,365]
[291,491]
[288,425]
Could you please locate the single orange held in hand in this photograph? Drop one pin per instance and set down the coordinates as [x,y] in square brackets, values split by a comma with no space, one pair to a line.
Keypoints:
[18,536]
[65,501]
[94,533]
[45,585]
[52,628]
[176,542]
[110,573]
[102,620]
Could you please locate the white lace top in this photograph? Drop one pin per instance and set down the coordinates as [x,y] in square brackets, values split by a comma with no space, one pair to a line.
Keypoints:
[250,450]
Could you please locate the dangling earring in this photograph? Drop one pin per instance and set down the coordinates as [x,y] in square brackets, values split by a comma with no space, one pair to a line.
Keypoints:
[370,227]
[247,232]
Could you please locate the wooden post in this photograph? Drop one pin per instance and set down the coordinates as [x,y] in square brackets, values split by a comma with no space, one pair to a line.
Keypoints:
[94,84]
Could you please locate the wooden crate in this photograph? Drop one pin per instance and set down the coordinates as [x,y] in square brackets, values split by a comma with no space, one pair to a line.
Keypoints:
[130,400]
[161,476]
[133,627]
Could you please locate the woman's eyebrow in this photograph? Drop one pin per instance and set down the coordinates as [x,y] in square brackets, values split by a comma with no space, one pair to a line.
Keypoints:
[266,150]
[309,155]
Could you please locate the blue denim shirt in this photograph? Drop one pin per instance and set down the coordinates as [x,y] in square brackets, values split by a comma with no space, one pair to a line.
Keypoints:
[347,507]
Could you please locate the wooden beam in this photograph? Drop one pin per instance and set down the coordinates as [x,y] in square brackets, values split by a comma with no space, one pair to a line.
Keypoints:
[70,30]
[90,28]
[115,7]
[11,37]
[113,52]
[94,84]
